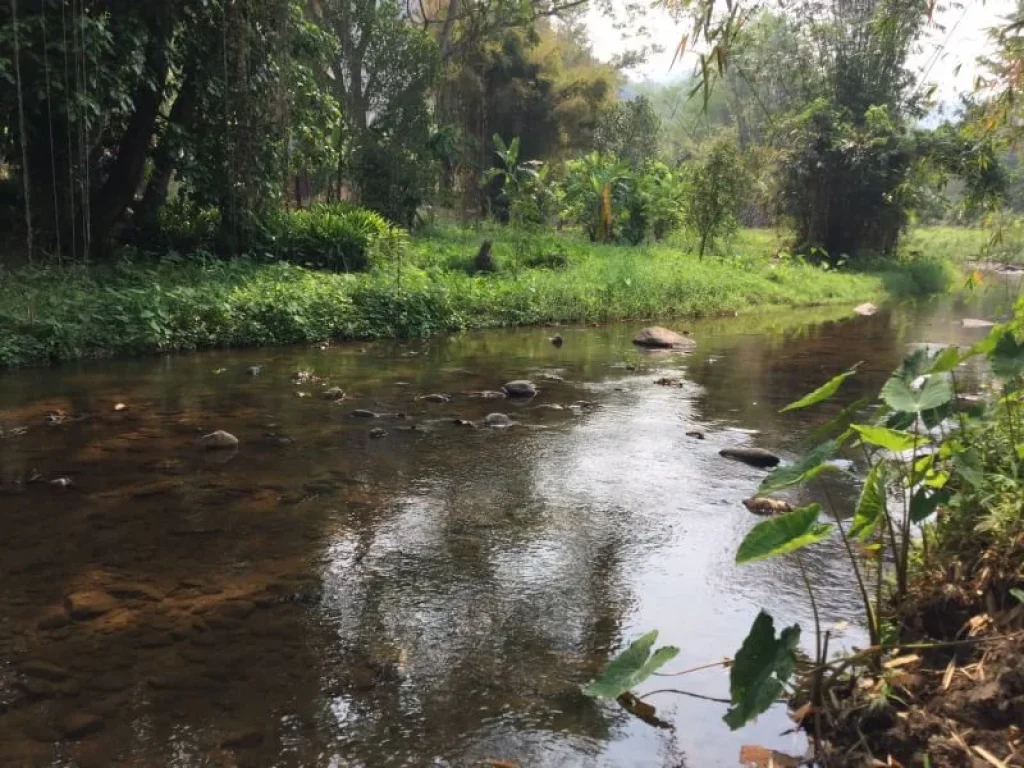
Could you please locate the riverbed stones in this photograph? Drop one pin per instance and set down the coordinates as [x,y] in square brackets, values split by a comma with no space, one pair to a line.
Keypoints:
[520,388]
[82,606]
[377,433]
[696,434]
[657,337]
[219,440]
[245,739]
[865,310]
[498,420]
[973,322]
[44,670]
[435,397]
[334,393]
[764,506]
[362,413]
[755,457]
[78,725]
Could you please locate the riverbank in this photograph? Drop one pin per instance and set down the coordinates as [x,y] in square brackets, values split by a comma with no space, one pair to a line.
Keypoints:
[432,286]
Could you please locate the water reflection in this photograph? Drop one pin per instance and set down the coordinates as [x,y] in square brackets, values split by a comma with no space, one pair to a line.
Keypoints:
[433,597]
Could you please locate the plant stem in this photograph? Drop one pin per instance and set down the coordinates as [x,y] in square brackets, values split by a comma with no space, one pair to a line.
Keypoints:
[868,610]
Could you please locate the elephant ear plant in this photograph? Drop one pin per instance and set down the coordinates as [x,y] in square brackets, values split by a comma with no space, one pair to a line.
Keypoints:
[917,448]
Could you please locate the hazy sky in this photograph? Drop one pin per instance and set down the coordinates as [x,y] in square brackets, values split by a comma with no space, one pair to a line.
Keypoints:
[962,41]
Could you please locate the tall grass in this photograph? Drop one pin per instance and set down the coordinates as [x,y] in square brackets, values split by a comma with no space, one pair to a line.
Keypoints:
[133,308]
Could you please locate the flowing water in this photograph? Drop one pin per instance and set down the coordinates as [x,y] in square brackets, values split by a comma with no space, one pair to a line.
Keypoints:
[328,595]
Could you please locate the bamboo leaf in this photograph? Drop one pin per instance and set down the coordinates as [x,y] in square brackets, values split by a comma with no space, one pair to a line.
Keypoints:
[763,666]
[785,533]
[824,392]
[631,667]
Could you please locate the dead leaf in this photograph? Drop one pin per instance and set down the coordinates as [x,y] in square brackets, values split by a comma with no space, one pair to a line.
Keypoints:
[947,677]
[754,756]
[642,709]
[989,758]
[902,661]
[801,714]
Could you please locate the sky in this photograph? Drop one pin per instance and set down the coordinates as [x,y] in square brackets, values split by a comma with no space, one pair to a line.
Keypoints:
[961,40]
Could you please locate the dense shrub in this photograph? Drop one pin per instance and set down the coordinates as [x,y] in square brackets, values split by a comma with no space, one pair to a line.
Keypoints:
[335,237]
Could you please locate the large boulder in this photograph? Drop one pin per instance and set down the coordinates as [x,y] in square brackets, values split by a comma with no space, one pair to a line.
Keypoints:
[657,337]
[755,457]
[520,388]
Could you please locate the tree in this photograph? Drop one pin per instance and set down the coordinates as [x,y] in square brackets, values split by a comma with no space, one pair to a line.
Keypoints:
[630,131]
[714,194]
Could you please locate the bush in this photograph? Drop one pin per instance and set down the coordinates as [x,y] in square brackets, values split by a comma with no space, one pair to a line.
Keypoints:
[392,181]
[714,194]
[337,237]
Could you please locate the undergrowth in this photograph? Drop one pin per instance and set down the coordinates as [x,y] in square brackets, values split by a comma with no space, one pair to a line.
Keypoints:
[414,288]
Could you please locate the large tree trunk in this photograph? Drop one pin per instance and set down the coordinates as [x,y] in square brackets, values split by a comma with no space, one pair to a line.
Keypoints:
[117,193]
[182,110]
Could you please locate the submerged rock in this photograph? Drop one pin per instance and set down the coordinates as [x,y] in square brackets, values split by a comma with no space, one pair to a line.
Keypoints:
[365,414]
[520,388]
[220,440]
[695,433]
[436,397]
[44,670]
[335,393]
[242,739]
[657,337]
[79,724]
[498,420]
[378,433]
[666,381]
[867,309]
[463,423]
[755,457]
[764,506]
[489,394]
[973,322]
[88,605]
[557,340]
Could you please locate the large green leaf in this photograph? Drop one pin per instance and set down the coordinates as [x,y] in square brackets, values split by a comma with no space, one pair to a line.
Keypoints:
[824,392]
[807,468]
[785,533]
[761,670]
[899,394]
[949,359]
[1007,358]
[968,465]
[891,439]
[840,422]
[872,502]
[925,500]
[631,667]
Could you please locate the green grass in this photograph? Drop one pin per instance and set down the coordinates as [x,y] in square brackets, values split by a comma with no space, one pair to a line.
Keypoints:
[144,307]
[955,244]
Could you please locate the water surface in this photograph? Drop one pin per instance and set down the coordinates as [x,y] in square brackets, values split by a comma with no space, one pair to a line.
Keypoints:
[431,597]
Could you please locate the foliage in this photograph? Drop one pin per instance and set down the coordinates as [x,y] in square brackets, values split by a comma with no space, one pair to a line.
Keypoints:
[631,667]
[763,666]
[338,238]
[191,300]
[629,130]
[714,194]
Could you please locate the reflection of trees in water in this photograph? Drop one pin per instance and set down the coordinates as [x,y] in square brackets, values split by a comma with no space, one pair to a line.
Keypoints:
[501,605]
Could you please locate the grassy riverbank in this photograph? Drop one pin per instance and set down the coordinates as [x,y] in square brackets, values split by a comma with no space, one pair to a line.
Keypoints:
[430,287]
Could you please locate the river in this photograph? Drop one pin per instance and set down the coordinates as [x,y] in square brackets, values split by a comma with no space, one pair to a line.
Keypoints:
[328,595]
